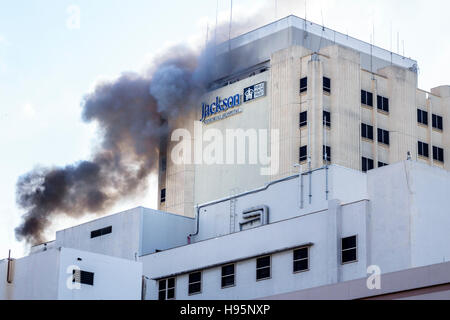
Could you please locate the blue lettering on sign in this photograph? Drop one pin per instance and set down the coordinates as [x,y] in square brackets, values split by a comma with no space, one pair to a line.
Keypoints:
[219,106]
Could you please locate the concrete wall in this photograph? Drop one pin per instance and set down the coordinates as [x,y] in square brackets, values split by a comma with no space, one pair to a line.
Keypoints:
[46,275]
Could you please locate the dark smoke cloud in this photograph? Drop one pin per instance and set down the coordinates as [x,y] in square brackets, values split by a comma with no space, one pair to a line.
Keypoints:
[131,112]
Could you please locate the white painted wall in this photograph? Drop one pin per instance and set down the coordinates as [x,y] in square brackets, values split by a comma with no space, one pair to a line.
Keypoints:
[44,275]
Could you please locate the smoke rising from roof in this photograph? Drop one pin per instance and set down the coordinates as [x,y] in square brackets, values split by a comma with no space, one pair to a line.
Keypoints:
[131,112]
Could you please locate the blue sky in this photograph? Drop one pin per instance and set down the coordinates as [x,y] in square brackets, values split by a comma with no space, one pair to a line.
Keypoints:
[46,67]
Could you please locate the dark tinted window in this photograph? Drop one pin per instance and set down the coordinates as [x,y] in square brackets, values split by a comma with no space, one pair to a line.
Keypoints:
[367,98]
[349,249]
[263,268]
[437,122]
[327,119]
[367,164]
[422,117]
[303,153]
[383,136]
[300,259]
[228,276]
[366,131]
[83,277]
[383,103]
[195,284]
[303,119]
[101,232]
[326,84]
[303,84]
[423,149]
[163,195]
[438,154]
[326,153]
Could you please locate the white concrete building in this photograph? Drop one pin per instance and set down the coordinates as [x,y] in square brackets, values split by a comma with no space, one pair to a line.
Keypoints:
[312,236]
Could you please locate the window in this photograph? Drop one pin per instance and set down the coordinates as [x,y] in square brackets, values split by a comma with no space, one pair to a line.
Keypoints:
[163,164]
[438,154]
[303,153]
[349,250]
[263,268]
[381,164]
[367,98]
[366,131]
[367,164]
[326,153]
[327,119]
[303,119]
[437,122]
[101,232]
[163,195]
[195,283]
[423,149]
[301,260]
[166,289]
[228,276]
[326,84]
[383,136]
[303,84]
[383,103]
[422,117]
[83,277]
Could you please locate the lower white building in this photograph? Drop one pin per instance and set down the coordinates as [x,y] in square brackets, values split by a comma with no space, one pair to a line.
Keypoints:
[333,233]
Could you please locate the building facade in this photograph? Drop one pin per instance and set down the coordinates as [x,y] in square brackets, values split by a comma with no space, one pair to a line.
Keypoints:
[324,92]
[328,233]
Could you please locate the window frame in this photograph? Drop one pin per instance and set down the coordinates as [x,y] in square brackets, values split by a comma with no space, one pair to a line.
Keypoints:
[383,103]
[300,157]
[195,282]
[365,100]
[162,198]
[422,117]
[437,122]
[166,289]
[229,275]
[328,151]
[420,147]
[302,259]
[348,249]
[304,123]
[82,275]
[326,89]
[381,135]
[270,268]
[367,131]
[437,150]
[304,88]
[326,117]
[368,161]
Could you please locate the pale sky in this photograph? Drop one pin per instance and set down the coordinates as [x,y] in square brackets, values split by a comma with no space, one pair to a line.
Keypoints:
[48,62]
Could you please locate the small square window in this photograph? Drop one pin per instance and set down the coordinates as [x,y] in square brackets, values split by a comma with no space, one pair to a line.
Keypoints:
[366,131]
[422,117]
[166,289]
[327,119]
[366,164]
[438,154]
[326,153]
[163,195]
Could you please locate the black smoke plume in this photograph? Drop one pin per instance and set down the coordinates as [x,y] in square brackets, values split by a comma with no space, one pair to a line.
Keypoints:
[132,113]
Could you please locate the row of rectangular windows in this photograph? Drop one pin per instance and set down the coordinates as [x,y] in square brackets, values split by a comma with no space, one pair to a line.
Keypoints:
[326,117]
[326,84]
[300,263]
[382,102]
[326,153]
[367,132]
[437,121]
[423,150]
